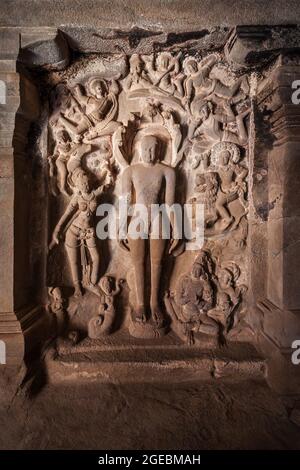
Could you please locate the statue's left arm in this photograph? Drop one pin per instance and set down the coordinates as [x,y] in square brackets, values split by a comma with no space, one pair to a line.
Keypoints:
[170,178]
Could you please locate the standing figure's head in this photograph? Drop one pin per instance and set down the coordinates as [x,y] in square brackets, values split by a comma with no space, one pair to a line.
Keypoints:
[163,62]
[225,278]
[198,271]
[224,157]
[191,67]
[136,64]
[224,153]
[149,149]
[81,180]
[97,88]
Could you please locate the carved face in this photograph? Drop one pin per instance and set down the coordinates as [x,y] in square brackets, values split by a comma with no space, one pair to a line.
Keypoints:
[224,157]
[135,66]
[197,271]
[225,279]
[82,183]
[148,150]
[97,89]
[204,112]
[163,62]
[191,67]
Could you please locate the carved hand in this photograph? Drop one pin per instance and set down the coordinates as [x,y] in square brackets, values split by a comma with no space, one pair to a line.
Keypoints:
[55,239]
[173,244]
[118,136]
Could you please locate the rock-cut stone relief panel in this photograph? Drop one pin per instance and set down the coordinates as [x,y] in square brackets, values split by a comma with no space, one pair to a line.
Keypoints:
[149,130]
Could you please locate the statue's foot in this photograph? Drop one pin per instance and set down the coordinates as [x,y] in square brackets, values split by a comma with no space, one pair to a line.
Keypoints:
[158,317]
[140,315]
[78,291]
[94,288]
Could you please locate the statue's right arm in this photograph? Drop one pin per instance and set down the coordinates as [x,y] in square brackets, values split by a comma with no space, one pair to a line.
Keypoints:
[117,148]
[68,212]
[124,204]
[126,185]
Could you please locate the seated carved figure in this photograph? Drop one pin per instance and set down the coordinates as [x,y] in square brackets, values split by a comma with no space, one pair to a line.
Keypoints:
[80,232]
[228,294]
[138,77]
[92,114]
[224,306]
[167,74]
[208,128]
[192,299]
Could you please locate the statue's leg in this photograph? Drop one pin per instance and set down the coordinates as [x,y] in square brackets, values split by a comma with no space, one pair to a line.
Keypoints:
[95,263]
[73,252]
[91,244]
[62,174]
[99,130]
[222,210]
[137,251]
[157,248]
[242,131]
[75,129]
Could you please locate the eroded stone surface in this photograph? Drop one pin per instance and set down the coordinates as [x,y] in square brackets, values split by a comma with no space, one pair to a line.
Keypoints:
[218,416]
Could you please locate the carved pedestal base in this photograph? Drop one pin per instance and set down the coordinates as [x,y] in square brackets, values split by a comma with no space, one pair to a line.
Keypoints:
[146,330]
[121,358]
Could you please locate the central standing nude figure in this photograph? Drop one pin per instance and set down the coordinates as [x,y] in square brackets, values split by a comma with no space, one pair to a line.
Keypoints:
[148,182]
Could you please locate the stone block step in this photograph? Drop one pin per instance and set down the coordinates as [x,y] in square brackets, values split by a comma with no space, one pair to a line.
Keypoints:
[165,361]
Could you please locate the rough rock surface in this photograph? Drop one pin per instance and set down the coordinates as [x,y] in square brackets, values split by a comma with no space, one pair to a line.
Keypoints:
[161,15]
[200,415]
